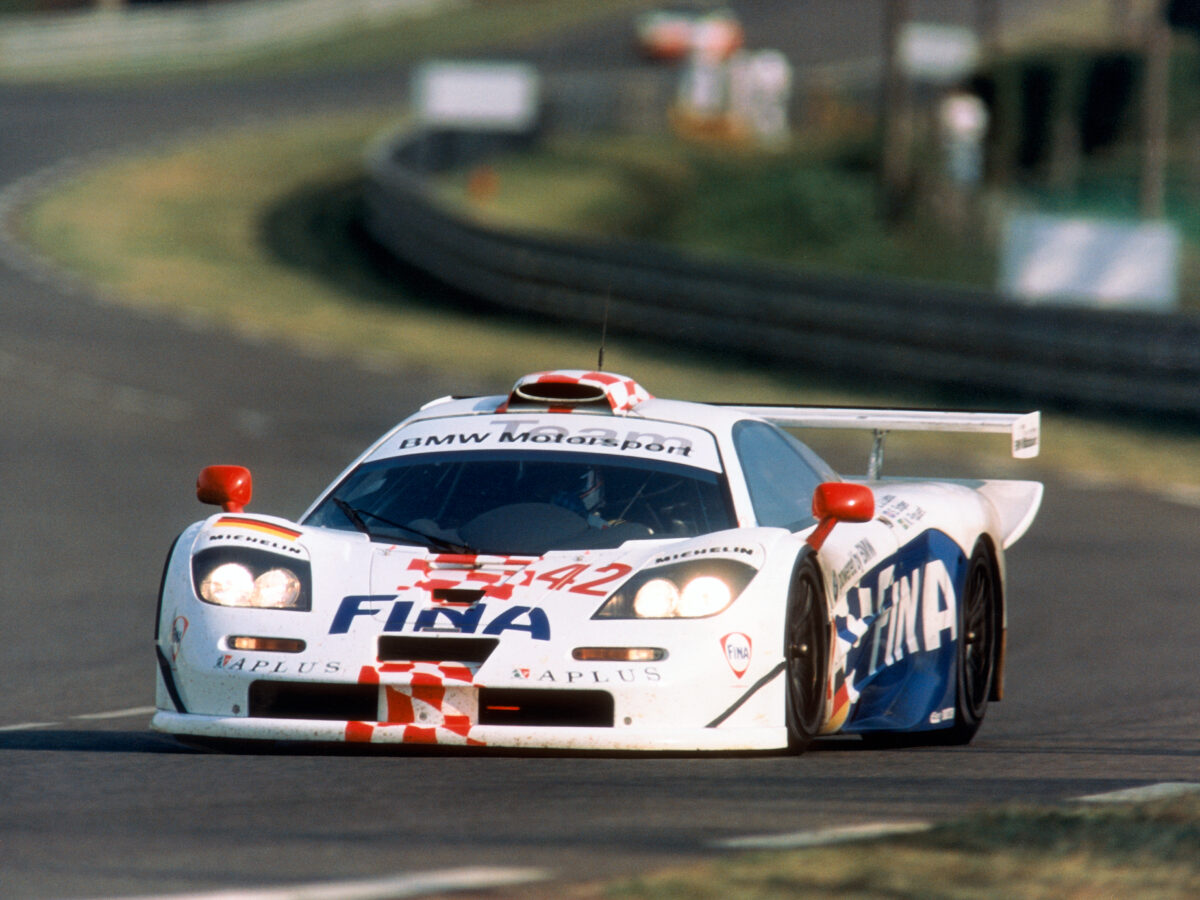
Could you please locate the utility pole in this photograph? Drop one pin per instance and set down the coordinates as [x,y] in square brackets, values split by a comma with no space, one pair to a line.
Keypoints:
[987,24]
[896,117]
[1155,93]
[1124,18]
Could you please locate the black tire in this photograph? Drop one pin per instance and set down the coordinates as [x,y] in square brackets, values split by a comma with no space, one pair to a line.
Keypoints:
[806,655]
[978,643]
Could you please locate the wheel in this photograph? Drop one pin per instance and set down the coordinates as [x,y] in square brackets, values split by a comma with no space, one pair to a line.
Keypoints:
[806,653]
[978,637]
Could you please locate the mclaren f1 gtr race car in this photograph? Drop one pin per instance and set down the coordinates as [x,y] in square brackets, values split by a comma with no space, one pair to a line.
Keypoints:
[579,565]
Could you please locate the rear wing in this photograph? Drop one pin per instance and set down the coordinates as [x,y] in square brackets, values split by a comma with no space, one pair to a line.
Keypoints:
[1024,429]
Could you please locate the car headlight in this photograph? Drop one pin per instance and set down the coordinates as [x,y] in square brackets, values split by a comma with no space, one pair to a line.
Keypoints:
[687,590]
[233,576]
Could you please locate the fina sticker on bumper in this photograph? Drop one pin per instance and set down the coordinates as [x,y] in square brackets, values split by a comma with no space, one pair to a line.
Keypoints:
[737,652]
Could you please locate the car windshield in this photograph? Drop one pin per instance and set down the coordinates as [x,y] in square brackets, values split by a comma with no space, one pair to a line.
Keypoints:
[523,503]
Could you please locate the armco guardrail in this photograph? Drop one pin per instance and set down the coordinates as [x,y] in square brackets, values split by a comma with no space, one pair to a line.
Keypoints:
[872,331]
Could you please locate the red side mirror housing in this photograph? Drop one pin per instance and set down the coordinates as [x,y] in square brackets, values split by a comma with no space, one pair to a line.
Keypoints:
[228,487]
[839,501]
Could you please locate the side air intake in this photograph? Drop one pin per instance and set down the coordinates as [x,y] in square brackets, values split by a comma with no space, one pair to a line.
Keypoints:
[403,648]
[533,708]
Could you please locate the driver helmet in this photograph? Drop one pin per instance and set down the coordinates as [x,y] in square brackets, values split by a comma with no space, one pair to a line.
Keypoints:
[591,493]
[585,495]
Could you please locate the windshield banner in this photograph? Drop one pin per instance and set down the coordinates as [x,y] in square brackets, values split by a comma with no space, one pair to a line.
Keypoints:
[664,441]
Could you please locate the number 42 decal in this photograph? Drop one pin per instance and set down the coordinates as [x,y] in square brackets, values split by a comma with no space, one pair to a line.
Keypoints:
[566,578]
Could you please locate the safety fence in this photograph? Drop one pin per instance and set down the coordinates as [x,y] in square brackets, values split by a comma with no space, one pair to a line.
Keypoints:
[871,331]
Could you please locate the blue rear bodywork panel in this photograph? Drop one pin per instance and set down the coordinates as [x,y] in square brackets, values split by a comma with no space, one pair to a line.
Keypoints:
[903,667]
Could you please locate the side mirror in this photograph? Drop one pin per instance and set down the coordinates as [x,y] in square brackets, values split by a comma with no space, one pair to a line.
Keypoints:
[839,501]
[228,487]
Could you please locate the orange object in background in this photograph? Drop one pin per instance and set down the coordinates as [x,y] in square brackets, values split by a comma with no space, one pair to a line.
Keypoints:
[674,32]
[483,184]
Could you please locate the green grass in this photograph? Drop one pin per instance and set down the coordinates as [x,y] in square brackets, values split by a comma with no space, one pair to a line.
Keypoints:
[251,230]
[1149,850]
[248,229]
[813,205]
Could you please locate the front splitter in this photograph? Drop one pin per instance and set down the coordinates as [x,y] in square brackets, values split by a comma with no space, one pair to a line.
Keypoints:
[677,740]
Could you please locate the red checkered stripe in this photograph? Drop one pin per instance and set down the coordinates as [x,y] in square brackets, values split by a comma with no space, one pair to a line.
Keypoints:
[623,393]
[435,704]
[457,571]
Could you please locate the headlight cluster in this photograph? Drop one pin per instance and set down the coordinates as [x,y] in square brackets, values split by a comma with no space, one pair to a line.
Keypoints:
[687,590]
[239,577]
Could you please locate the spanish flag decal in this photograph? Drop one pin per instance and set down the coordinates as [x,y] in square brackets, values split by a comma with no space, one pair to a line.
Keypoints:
[276,531]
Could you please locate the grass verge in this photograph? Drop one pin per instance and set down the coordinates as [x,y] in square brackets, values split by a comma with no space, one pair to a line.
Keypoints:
[1084,851]
[250,230]
[813,204]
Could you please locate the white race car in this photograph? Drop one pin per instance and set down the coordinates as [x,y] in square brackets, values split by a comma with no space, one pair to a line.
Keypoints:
[579,565]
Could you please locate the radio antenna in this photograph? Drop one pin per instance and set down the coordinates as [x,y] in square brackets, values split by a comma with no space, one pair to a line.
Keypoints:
[603,334]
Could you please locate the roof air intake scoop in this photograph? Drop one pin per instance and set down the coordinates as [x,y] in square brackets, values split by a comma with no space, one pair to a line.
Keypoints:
[573,390]
[564,392]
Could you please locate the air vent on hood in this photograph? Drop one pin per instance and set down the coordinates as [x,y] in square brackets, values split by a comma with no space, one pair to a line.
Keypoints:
[457,596]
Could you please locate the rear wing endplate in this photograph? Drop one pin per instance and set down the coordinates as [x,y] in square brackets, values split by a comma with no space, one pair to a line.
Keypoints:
[1024,429]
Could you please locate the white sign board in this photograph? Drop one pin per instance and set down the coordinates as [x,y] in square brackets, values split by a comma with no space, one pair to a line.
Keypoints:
[1091,262]
[942,54]
[477,96]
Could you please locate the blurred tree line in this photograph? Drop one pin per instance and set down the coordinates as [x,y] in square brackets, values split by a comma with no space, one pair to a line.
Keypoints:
[1130,99]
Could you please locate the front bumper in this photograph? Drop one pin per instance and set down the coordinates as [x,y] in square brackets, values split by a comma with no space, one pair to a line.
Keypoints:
[405,666]
[616,709]
[499,736]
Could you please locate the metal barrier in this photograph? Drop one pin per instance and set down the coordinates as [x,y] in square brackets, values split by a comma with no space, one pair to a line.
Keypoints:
[871,331]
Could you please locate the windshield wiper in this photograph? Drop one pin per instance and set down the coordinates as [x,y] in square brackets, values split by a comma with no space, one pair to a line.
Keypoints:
[352,514]
[355,515]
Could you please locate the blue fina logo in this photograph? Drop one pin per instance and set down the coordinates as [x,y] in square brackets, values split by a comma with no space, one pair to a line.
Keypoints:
[529,619]
[902,622]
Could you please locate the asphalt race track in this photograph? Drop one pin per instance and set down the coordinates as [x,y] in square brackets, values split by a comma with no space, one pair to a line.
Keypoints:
[107,416]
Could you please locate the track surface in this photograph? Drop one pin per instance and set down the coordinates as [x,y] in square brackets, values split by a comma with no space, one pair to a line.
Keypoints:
[107,416]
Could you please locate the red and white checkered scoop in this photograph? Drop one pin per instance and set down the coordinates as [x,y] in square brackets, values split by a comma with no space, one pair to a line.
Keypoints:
[571,390]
